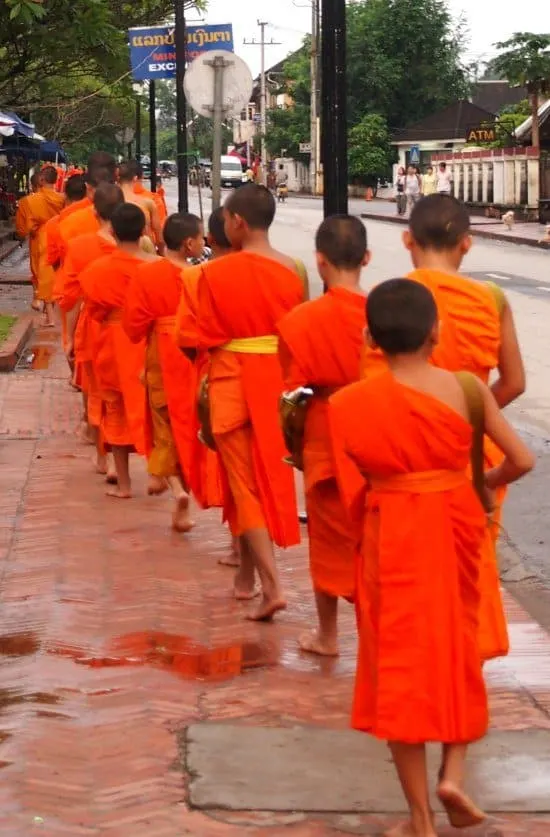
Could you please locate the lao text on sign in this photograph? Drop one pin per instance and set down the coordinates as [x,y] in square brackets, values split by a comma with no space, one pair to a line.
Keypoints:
[481,134]
[153,51]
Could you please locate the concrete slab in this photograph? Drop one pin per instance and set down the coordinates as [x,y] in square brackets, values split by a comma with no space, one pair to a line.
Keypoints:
[244,768]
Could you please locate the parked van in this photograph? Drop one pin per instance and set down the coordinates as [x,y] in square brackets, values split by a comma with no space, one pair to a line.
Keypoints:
[232,172]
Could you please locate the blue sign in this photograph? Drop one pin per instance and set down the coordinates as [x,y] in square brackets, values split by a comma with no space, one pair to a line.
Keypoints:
[414,155]
[153,51]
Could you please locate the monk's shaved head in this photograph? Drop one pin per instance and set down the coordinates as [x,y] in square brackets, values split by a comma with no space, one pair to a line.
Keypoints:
[401,315]
[129,171]
[75,188]
[128,223]
[342,240]
[99,175]
[49,175]
[35,180]
[107,198]
[102,160]
[216,230]
[179,228]
[439,222]
[254,204]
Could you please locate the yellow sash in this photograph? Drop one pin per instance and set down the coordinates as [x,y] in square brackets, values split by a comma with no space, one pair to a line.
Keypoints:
[268,344]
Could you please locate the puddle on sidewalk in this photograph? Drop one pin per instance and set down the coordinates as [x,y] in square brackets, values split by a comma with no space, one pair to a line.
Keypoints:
[17,697]
[37,357]
[180,655]
[19,645]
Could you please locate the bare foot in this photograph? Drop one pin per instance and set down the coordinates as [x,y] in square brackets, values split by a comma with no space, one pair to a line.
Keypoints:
[157,486]
[312,643]
[49,325]
[119,493]
[100,464]
[111,478]
[36,305]
[181,521]
[87,434]
[407,829]
[246,595]
[230,560]
[461,811]
[267,610]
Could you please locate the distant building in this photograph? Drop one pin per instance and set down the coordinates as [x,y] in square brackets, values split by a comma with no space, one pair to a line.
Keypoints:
[494,96]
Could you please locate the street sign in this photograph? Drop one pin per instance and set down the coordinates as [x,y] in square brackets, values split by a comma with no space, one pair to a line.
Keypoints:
[237,84]
[414,155]
[480,134]
[305,148]
[153,51]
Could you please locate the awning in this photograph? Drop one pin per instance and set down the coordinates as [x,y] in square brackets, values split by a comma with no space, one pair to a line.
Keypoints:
[52,152]
[11,120]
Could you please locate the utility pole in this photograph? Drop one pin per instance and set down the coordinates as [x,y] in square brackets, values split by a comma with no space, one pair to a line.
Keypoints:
[180,41]
[314,157]
[334,133]
[138,129]
[153,133]
[263,92]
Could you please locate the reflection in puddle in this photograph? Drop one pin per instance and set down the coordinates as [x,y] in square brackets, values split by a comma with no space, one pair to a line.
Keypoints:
[38,357]
[180,655]
[16,697]
[18,645]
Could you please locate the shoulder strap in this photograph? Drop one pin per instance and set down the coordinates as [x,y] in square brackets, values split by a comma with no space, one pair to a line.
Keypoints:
[498,296]
[476,413]
[301,270]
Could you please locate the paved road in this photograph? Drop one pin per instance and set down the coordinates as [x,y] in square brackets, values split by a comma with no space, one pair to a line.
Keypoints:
[524,274]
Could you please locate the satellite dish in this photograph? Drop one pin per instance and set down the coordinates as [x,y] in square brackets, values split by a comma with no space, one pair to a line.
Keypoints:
[237,84]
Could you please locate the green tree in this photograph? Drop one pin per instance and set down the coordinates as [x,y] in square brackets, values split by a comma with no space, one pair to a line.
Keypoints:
[369,150]
[525,61]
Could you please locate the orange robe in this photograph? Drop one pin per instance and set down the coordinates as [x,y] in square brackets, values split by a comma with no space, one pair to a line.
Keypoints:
[321,344]
[243,296]
[81,252]
[419,672]
[43,205]
[118,362]
[206,479]
[469,340]
[77,223]
[149,314]
[22,230]
[139,189]
[55,244]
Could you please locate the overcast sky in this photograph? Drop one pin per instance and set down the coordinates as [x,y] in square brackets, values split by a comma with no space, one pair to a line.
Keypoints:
[489,21]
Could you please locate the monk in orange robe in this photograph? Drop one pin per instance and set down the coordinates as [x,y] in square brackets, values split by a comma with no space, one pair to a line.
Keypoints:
[21,228]
[241,299]
[118,362]
[147,202]
[320,348]
[39,208]
[170,376]
[206,478]
[141,191]
[75,199]
[478,335]
[407,432]
[83,331]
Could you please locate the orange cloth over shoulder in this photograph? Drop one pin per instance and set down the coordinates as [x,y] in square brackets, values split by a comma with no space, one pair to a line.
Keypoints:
[81,252]
[139,189]
[149,314]
[321,343]
[243,296]
[55,245]
[39,208]
[469,341]
[206,479]
[419,673]
[118,362]
[83,221]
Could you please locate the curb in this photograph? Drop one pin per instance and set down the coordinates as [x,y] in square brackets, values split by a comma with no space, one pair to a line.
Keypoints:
[11,248]
[12,348]
[518,239]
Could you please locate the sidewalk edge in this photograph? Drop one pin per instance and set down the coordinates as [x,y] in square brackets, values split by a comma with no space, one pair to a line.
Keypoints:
[12,348]
[528,242]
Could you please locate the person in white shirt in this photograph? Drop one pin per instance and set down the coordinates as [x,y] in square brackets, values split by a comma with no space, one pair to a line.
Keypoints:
[413,189]
[444,180]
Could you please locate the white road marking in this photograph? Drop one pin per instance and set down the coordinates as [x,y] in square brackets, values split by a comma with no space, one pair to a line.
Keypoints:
[498,276]
[544,288]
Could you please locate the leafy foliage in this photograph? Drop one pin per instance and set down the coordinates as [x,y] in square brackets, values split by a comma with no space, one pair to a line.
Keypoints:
[65,64]
[403,64]
[369,156]
[525,61]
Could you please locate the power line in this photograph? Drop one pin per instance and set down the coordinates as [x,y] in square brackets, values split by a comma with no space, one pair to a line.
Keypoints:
[262,43]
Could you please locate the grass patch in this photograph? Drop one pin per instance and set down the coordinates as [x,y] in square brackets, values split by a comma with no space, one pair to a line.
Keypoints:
[6,325]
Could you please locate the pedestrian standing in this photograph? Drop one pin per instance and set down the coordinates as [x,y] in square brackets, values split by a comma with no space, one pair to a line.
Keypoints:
[444,180]
[429,182]
[413,187]
[400,197]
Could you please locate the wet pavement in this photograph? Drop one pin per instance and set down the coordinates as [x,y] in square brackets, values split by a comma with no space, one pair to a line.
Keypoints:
[117,634]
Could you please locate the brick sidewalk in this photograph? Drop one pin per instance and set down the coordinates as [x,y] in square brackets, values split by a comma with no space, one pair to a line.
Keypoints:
[116,634]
